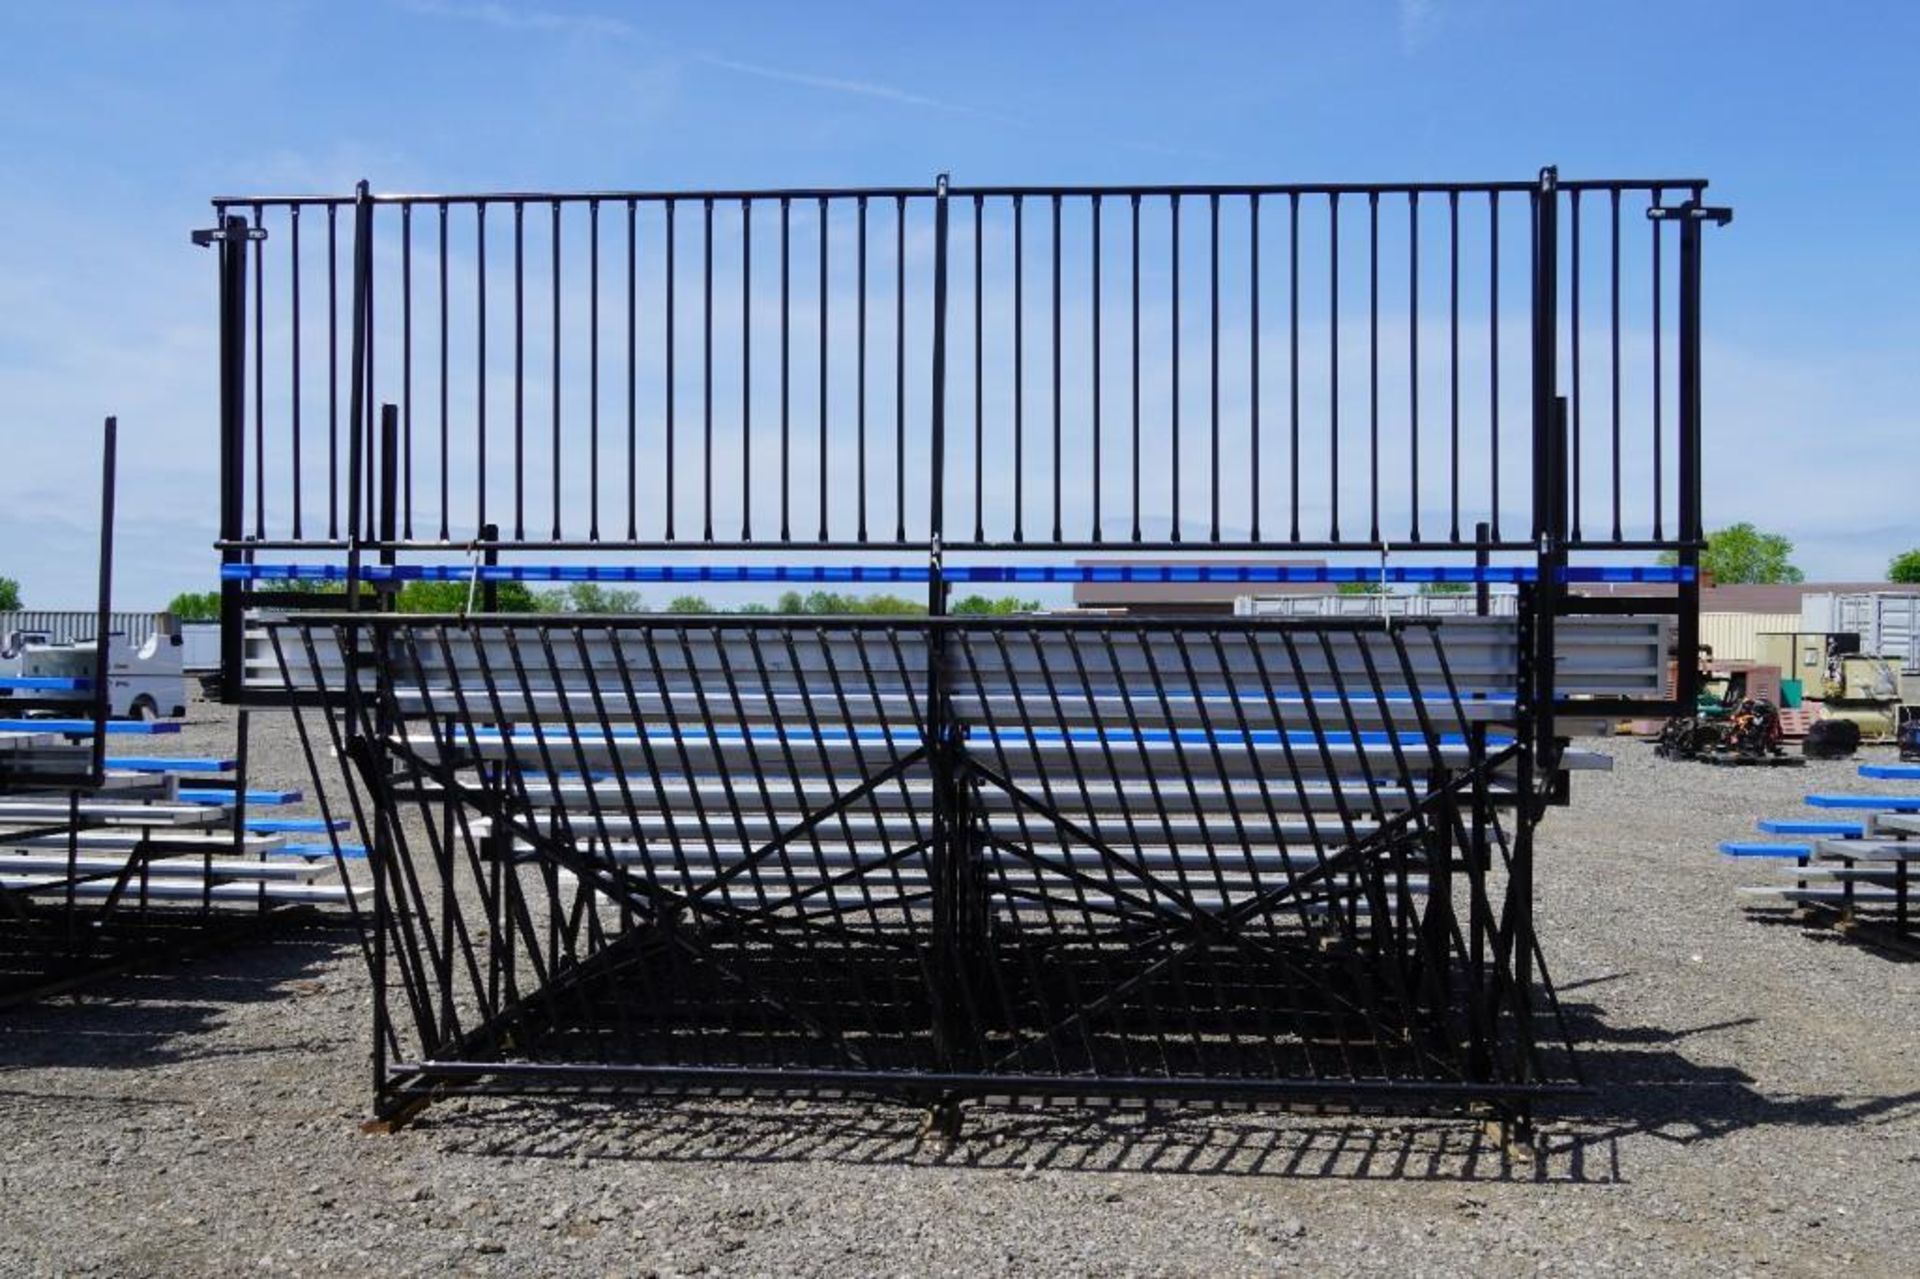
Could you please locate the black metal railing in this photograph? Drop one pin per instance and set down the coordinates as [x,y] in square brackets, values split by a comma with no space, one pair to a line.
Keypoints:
[1323,367]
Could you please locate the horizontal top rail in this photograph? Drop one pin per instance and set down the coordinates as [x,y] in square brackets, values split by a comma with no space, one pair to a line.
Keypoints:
[957,573]
[960,191]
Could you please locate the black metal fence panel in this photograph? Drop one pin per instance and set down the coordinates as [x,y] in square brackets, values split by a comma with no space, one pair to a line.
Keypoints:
[1332,367]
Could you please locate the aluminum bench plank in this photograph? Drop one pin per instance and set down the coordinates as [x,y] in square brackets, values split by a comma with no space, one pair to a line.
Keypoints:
[1835,896]
[187,842]
[194,890]
[193,868]
[1869,850]
[114,814]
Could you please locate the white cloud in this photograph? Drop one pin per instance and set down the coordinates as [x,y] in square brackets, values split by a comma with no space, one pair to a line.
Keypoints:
[836,84]
[508,17]
[1417,21]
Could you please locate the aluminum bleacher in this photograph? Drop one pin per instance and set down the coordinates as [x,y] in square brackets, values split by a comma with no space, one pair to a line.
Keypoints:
[941,857]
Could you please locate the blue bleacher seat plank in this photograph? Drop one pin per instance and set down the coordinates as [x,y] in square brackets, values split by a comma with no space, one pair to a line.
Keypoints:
[84,727]
[1810,826]
[1896,803]
[197,795]
[1764,848]
[324,850]
[293,825]
[163,764]
[1892,772]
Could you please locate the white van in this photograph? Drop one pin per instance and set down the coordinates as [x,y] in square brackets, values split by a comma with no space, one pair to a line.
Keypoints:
[144,681]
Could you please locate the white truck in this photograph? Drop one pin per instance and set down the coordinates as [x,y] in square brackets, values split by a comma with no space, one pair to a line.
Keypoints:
[144,681]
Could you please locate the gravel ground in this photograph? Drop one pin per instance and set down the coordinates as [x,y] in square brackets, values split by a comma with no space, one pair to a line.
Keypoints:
[1757,1111]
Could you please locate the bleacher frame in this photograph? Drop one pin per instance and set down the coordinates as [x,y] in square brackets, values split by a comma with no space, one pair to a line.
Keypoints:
[518,944]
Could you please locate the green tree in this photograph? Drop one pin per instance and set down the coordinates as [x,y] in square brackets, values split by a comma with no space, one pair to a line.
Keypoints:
[690,604]
[591,597]
[1742,553]
[986,606]
[1362,588]
[1444,588]
[9,595]
[1905,567]
[451,597]
[195,606]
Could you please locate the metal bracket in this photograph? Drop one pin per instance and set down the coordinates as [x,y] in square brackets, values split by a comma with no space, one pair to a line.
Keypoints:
[207,236]
[1718,214]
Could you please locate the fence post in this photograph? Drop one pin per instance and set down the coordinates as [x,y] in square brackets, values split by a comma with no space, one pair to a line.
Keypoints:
[949,875]
[102,661]
[232,236]
[1482,560]
[1687,641]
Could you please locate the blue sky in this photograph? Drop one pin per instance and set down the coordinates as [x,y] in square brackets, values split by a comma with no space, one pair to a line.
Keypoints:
[123,119]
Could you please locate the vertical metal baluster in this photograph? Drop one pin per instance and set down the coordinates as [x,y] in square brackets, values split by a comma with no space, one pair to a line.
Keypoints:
[333,372]
[1493,355]
[979,369]
[406,370]
[593,369]
[556,371]
[823,369]
[1333,361]
[1098,471]
[480,362]
[1659,458]
[670,373]
[860,360]
[1213,362]
[293,275]
[260,375]
[1056,367]
[446,495]
[1019,371]
[1573,267]
[900,368]
[1135,199]
[1173,330]
[1453,363]
[786,377]
[1614,203]
[1373,367]
[1293,363]
[1253,355]
[633,376]
[706,370]
[1413,359]
[746,370]
[519,372]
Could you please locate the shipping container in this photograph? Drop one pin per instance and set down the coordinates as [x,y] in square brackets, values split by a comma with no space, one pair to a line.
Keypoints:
[1735,637]
[68,626]
[1887,622]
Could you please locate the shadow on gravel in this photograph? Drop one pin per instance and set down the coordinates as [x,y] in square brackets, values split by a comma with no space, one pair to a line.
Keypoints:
[1874,935]
[153,1015]
[1187,1142]
[1644,1084]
